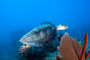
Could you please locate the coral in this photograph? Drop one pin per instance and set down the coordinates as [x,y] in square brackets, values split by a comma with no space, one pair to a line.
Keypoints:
[70,49]
[41,53]
[51,56]
[88,55]
[85,46]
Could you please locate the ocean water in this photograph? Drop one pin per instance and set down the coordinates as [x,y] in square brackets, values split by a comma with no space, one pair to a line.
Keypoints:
[18,17]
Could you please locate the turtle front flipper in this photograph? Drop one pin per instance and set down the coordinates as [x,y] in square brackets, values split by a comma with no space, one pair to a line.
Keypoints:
[59,36]
[23,49]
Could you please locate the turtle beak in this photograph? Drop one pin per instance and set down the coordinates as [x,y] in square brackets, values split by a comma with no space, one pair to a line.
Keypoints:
[66,26]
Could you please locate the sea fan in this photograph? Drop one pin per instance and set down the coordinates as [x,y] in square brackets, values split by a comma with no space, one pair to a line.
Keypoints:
[69,49]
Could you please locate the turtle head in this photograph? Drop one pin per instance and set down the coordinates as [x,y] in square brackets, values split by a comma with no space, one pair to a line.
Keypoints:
[62,27]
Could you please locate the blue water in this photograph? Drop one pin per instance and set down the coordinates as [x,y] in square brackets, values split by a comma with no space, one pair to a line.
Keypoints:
[17,17]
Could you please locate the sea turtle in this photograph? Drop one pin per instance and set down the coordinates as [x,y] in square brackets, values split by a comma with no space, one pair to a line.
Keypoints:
[40,36]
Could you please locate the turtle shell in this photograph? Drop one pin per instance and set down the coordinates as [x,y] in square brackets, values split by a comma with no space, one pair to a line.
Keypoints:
[41,35]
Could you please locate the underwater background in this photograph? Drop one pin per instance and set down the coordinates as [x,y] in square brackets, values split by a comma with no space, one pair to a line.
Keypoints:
[18,17]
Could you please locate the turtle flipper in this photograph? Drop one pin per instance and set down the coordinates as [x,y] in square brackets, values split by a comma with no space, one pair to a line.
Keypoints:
[23,49]
[59,36]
